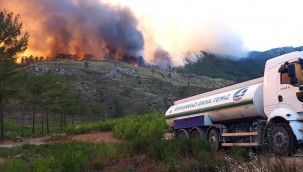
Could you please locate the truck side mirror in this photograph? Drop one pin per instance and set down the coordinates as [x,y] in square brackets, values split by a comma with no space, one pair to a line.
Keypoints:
[282,69]
[293,80]
[291,70]
[301,62]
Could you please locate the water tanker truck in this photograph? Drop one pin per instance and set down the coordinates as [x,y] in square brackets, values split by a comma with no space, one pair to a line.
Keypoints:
[266,111]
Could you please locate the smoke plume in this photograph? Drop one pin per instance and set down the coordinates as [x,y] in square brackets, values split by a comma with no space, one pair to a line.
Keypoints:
[192,26]
[184,43]
[162,58]
[162,32]
[78,27]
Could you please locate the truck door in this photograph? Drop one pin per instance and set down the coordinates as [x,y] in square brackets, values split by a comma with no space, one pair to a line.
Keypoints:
[270,90]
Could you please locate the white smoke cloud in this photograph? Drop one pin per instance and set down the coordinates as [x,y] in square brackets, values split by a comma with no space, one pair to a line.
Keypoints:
[181,26]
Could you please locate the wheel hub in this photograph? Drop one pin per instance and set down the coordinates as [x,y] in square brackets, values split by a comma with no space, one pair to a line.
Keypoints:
[280,139]
[213,139]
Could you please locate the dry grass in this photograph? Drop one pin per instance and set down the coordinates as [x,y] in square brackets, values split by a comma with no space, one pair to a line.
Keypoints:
[263,163]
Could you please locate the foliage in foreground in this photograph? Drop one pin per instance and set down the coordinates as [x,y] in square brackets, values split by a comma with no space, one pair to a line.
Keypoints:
[144,150]
[91,157]
[150,126]
[174,155]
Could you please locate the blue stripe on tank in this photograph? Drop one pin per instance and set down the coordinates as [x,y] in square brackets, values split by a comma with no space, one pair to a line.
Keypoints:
[189,122]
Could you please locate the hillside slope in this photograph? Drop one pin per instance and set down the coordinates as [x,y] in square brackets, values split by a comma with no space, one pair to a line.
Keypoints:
[122,89]
[232,68]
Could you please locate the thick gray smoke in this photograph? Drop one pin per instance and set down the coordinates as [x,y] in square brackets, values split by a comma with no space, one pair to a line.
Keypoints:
[162,58]
[79,27]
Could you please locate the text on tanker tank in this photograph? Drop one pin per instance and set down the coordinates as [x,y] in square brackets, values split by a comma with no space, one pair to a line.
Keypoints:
[203,102]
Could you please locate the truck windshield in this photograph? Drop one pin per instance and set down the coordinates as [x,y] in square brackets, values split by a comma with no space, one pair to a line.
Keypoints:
[299,74]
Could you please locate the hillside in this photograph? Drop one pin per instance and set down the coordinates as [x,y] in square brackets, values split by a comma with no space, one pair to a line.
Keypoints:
[110,89]
[116,89]
[232,68]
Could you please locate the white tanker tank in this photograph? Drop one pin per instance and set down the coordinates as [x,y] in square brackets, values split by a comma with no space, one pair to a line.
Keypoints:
[233,102]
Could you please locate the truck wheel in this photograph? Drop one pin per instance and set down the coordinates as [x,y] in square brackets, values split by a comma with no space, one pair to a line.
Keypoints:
[281,140]
[213,136]
[195,134]
[181,135]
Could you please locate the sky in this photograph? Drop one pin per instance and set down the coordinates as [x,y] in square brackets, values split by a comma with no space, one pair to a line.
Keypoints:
[258,24]
[163,32]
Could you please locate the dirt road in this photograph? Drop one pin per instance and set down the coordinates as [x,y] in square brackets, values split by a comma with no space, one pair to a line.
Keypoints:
[98,137]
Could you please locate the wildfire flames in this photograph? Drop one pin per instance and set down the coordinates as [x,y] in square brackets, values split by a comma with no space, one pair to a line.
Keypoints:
[108,31]
[83,29]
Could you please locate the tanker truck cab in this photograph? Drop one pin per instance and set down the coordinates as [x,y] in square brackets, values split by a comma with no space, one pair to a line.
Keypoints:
[283,98]
[266,111]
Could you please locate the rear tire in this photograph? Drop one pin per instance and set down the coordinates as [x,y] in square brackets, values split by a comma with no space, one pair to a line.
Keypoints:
[281,140]
[213,137]
[195,134]
[181,135]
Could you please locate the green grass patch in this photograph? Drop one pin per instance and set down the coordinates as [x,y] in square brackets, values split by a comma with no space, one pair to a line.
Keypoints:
[45,164]
[12,130]
[144,134]
[94,157]
[58,157]
[240,153]
[150,126]
[106,125]
[15,165]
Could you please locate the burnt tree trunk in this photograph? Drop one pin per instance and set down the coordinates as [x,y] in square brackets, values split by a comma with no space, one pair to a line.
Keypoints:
[61,121]
[64,120]
[42,121]
[47,127]
[73,120]
[1,120]
[22,120]
[34,119]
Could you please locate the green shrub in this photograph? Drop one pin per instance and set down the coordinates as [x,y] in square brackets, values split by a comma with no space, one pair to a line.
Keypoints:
[13,130]
[44,164]
[88,127]
[72,160]
[144,134]
[15,165]
[240,153]
[150,126]
[202,155]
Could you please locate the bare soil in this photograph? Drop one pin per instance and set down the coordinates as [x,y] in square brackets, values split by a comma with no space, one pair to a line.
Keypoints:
[100,137]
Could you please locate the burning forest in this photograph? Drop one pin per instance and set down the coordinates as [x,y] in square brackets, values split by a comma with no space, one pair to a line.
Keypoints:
[80,29]
[103,29]
[134,60]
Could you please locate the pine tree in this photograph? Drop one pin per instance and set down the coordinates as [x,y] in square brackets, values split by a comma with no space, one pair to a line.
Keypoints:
[11,43]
